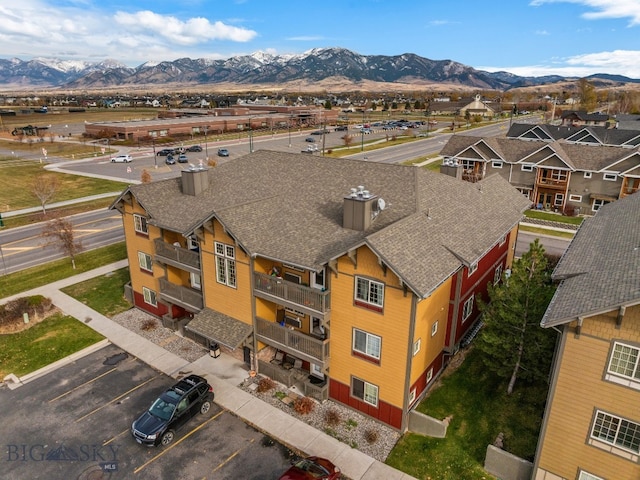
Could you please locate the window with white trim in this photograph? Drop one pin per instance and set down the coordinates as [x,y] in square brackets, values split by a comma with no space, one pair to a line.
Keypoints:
[369,293]
[588,476]
[367,392]
[416,346]
[140,224]
[597,203]
[472,268]
[434,328]
[225,264]
[195,281]
[367,344]
[145,261]
[575,198]
[149,296]
[588,174]
[526,167]
[497,274]
[624,365]
[412,396]
[610,177]
[429,376]
[558,199]
[467,308]
[616,431]
[496,164]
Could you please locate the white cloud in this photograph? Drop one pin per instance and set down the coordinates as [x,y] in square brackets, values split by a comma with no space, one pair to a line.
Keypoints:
[617,62]
[602,9]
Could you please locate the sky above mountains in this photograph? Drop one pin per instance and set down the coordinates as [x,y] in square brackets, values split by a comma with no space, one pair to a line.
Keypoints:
[524,37]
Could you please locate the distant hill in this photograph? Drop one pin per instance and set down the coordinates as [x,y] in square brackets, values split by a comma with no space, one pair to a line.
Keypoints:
[321,66]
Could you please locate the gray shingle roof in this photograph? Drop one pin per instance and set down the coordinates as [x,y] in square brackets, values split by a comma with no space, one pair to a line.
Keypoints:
[600,271]
[598,135]
[289,207]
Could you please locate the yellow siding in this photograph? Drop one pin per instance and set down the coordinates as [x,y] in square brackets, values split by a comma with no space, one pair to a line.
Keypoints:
[234,302]
[430,310]
[580,389]
[139,243]
[513,237]
[392,325]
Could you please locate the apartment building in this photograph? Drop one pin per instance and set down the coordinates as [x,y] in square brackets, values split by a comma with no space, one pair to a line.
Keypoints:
[591,426]
[351,280]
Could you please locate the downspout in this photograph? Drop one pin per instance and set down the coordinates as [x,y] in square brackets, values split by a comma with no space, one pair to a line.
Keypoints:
[254,360]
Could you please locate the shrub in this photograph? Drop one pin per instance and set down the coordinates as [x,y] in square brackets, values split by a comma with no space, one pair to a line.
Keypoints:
[371,436]
[332,417]
[265,384]
[303,405]
[148,325]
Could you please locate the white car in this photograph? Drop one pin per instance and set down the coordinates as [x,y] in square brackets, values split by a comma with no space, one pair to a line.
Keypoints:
[121,159]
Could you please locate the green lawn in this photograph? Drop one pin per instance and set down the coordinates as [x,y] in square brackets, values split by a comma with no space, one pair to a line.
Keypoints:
[52,339]
[50,272]
[480,410]
[103,294]
[16,185]
[553,217]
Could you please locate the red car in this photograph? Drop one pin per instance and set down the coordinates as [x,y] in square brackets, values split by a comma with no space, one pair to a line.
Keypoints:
[312,468]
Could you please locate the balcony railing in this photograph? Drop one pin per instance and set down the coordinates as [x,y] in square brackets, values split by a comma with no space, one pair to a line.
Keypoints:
[297,343]
[186,297]
[553,183]
[309,298]
[289,378]
[177,256]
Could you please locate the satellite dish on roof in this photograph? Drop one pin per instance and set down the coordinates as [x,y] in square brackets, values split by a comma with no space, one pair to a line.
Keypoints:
[381,204]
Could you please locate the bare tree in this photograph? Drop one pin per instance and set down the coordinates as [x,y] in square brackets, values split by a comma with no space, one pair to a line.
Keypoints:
[145,177]
[44,188]
[347,139]
[59,233]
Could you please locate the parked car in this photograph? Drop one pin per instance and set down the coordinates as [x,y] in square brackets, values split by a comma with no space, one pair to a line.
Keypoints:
[121,159]
[310,139]
[170,160]
[194,148]
[223,152]
[311,149]
[165,151]
[312,468]
[317,132]
[341,128]
[181,150]
[182,158]
[171,410]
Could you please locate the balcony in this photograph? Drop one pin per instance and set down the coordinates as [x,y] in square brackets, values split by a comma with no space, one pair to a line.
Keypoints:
[182,258]
[291,377]
[185,297]
[274,288]
[297,343]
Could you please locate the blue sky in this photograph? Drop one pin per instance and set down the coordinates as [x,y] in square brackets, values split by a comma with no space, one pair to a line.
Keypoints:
[525,37]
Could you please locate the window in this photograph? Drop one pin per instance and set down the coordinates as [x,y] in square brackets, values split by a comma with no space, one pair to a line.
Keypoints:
[588,476]
[293,278]
[366,344]
[434,328]
[587,174]
[369,293]
[367,392]
[624,365]
[575,198]
[416,346]
[616,431]
[610,177]
[467,309]
[558,199]
[145,262]
[497,274]
[192,242]
[429,375]
[526,168]
[412,396]
[496,164]
[195,281]
[149,296]
[597,203]
[225,264]
[472,268]
[293,321]
[140,224]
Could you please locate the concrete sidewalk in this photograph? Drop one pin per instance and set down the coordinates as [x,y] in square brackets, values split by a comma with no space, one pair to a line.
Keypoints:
[224,373]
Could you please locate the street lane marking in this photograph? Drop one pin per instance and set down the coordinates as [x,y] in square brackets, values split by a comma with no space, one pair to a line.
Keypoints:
[82,385]
[115,399]
[177,442]
[113,438]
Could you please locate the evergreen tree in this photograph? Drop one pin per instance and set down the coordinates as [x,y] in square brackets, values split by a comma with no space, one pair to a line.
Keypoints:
[512,341]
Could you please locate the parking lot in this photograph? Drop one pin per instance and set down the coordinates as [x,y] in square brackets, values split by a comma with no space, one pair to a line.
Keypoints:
[73,423]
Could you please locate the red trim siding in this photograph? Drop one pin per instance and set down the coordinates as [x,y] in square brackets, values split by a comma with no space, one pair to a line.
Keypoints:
[421,384]
[384,412]
[138,301]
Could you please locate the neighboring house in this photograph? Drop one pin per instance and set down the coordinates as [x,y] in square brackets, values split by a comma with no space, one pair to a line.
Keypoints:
[628,137]
[627,122]
[287,260]
[573,178]
[591,425]
[582,118]
[478,107]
